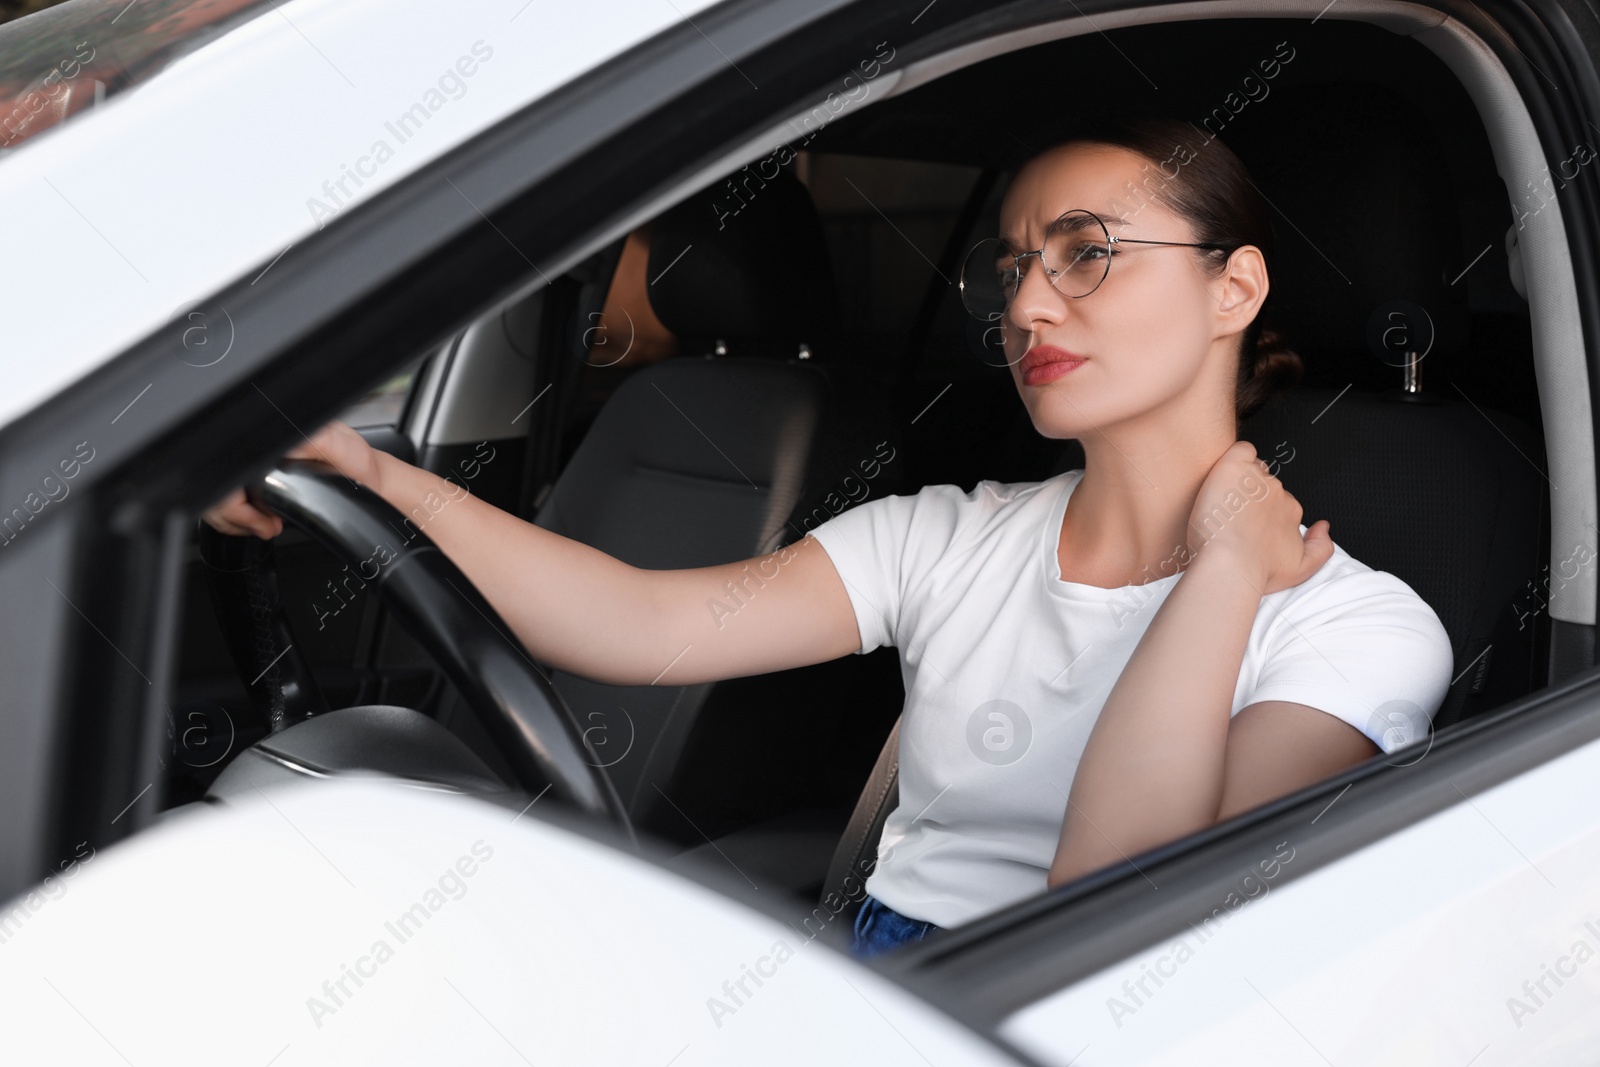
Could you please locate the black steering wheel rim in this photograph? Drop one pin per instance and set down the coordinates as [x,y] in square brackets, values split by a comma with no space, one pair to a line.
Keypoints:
[537,734]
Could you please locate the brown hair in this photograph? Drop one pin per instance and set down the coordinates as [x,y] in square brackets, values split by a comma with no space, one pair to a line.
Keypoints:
[1212,190]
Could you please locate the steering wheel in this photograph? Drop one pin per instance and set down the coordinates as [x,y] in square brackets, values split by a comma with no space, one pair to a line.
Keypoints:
[534,730]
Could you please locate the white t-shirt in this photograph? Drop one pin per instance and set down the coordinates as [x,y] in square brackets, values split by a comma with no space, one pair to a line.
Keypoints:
[1006,668]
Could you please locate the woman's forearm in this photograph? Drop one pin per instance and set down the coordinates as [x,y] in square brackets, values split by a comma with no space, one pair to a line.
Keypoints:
[1152,769]
[555,593]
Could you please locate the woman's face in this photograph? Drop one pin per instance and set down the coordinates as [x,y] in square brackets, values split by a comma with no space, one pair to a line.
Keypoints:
[1146,333]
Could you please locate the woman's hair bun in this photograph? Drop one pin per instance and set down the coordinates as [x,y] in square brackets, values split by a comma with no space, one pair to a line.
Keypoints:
[1275,368]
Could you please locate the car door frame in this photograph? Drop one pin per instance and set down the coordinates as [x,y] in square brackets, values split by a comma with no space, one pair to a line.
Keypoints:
[388,279]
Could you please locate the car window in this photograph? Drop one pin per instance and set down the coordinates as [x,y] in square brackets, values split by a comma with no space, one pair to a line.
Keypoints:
[58,63]
[385,403]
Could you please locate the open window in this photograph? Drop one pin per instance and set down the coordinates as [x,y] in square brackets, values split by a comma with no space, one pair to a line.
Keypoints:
[1420,153]
[1388,190]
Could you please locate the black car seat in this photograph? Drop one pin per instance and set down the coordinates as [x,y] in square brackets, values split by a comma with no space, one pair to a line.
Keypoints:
[1433,486]
[756,433]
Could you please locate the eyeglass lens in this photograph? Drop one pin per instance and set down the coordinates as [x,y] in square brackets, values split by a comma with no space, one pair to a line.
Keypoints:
[1075,257]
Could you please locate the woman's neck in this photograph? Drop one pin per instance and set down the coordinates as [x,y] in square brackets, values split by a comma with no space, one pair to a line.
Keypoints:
[1127,522]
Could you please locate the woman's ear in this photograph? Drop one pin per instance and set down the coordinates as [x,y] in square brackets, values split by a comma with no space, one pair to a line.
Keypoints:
[1241,290]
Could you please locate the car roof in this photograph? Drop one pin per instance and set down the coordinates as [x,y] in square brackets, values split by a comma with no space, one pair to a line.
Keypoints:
[230,934]
[121,219]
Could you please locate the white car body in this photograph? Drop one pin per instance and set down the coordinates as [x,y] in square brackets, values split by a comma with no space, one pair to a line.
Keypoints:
[560,948]
[236,151]
[529,944]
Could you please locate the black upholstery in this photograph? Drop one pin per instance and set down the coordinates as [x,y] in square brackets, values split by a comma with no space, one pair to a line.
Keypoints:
[1441,491]
[1363,214]
[1442,495]
[709,458]
[745,263]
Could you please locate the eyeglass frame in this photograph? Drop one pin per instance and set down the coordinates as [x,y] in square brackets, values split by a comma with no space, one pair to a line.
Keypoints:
[1018,257]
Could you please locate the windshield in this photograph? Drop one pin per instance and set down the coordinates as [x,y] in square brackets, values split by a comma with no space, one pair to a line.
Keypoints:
[62,61]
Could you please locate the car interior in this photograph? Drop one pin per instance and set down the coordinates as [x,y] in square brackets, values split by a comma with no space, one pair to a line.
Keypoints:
[801,349]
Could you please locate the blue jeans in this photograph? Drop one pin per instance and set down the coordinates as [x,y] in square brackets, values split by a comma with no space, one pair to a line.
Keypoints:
[880,928]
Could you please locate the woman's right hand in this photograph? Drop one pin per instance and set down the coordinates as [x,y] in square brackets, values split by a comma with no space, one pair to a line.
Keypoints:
[335,445]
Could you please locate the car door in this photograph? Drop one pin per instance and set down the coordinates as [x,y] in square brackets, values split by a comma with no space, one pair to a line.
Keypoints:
[555,182]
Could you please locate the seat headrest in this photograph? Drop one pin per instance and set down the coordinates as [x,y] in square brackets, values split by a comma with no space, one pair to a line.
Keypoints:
[745,262]
[1364,215]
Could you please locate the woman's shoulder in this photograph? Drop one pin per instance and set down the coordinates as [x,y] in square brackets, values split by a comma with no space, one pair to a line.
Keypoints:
[1345,585]
[987,505]
[990,494]
[942,515]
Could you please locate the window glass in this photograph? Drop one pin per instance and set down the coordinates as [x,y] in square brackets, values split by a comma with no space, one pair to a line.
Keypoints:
[384,405]
[62,61]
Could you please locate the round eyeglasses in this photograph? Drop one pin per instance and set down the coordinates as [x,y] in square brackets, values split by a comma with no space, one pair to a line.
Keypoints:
[1076,257]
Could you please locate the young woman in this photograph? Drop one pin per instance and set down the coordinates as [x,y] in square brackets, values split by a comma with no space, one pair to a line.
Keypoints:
[1070,701]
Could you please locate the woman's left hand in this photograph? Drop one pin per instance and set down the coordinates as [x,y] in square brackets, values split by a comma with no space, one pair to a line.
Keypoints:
[1245,514]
